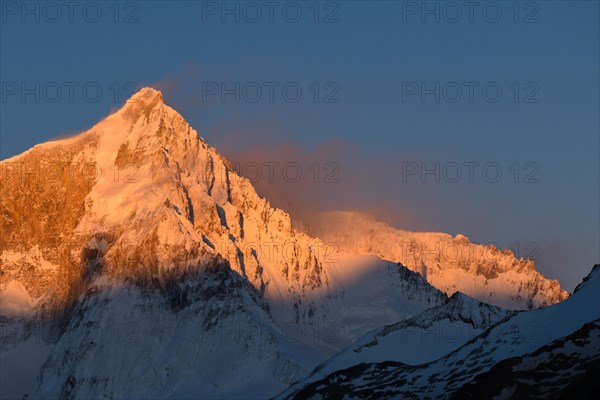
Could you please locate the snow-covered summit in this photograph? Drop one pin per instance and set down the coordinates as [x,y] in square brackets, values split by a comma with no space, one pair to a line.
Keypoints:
[147,216]
[148,94]
[138,220]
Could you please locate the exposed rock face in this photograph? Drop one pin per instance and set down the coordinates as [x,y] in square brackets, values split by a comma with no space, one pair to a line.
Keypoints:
[138,220]
[137,195]
[449,263]
[140,193]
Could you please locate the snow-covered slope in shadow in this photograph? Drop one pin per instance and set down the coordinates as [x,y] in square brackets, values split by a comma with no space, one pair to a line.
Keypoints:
[516,336]
[139,220]
[417,340]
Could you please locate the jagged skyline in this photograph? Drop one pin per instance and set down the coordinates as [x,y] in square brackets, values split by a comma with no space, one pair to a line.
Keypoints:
[126,151]
[299,200]
[176,243]
[379,129]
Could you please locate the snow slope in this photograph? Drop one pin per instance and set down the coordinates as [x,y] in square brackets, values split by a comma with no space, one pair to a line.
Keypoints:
[20,365]
[15,301]
[520,338]
[165,275]
[137,220]
[211,333]
[567,367]
[417,340]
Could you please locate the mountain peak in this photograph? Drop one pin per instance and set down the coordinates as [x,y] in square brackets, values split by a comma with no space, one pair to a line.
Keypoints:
[594,274]
[141,104]
[147,95]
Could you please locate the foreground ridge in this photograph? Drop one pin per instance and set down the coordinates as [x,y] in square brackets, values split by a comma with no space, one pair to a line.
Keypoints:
[537,352]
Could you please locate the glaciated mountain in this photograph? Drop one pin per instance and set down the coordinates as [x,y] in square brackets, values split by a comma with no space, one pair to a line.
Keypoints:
[162,273]
[449,263]
[544,353]
[140,196]
[210,333]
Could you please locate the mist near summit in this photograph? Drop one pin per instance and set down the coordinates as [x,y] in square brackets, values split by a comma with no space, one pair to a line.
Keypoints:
[299,200]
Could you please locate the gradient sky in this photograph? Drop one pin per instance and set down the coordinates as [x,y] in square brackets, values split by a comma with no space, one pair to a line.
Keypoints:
[366,57]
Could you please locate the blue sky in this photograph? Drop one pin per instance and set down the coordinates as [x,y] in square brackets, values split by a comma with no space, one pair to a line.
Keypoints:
[367,72]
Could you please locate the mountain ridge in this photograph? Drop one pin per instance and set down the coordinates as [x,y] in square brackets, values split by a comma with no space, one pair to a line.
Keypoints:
[452,264]
[539,342]
[137,219]
[145,222]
